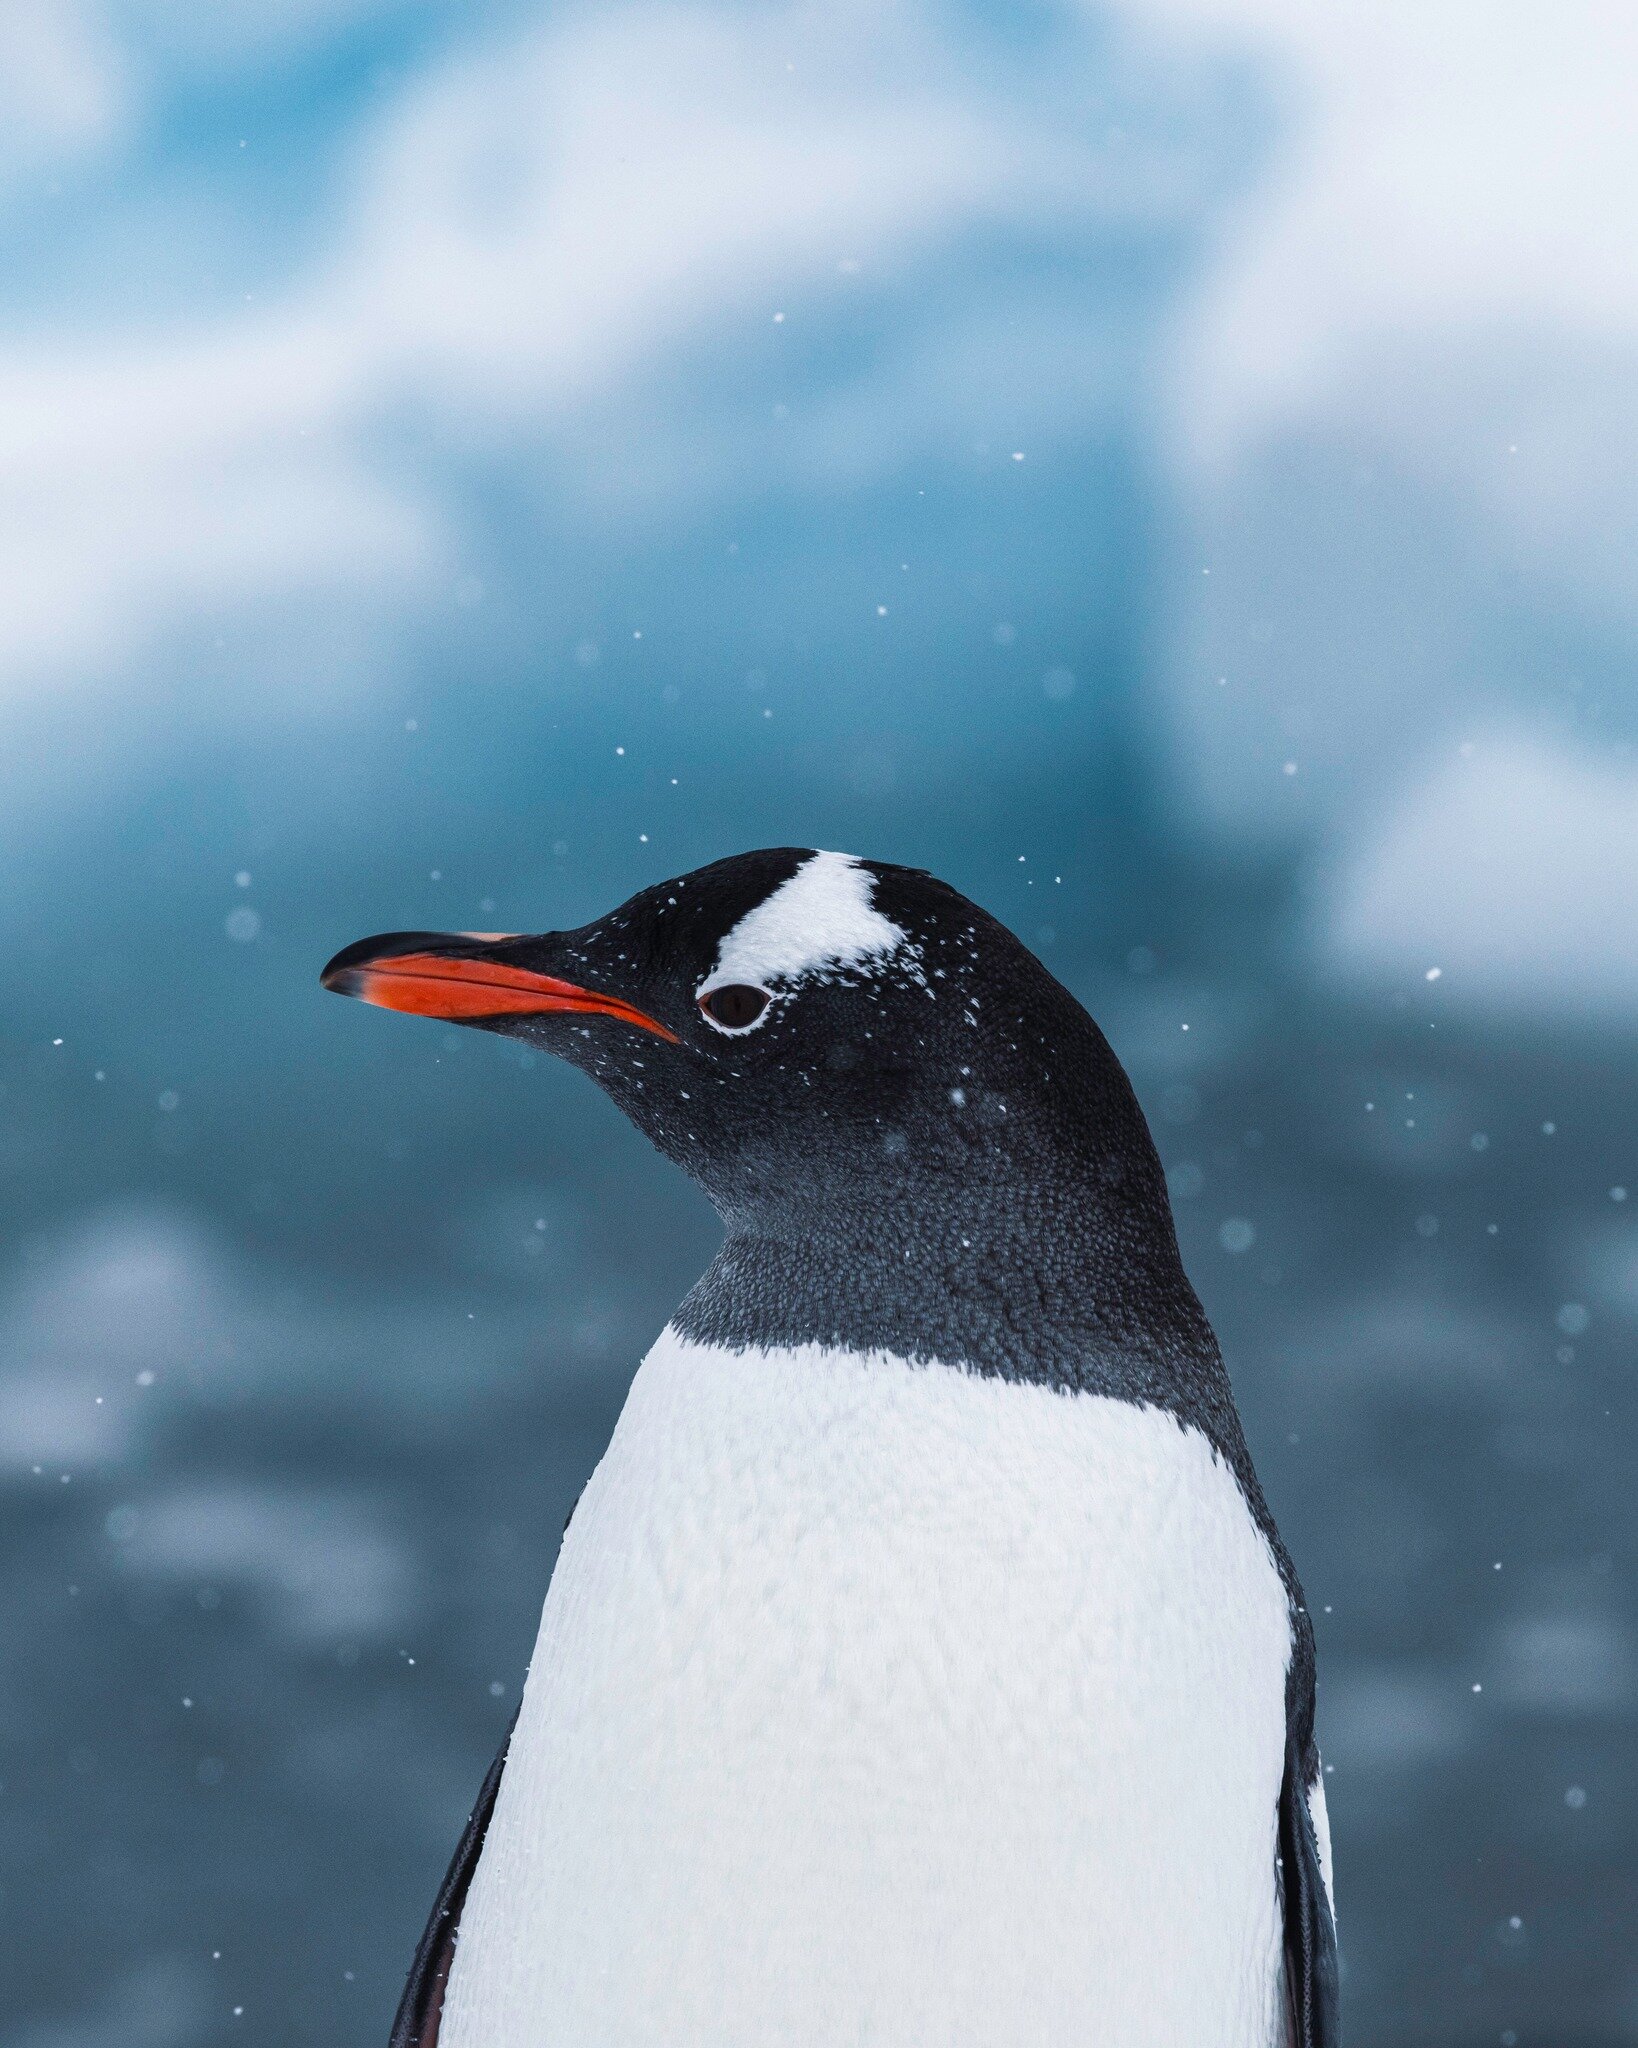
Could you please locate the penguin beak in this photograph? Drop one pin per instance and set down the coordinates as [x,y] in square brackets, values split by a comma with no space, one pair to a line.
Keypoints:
[465,978]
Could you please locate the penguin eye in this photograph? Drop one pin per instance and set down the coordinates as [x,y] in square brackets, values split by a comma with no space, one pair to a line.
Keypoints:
[736,1007]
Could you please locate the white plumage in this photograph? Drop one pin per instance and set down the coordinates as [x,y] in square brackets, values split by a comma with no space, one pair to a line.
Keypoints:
[822,920]
[881,1706]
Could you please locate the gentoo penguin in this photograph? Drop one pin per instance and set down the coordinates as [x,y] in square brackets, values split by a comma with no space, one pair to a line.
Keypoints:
[922,1667]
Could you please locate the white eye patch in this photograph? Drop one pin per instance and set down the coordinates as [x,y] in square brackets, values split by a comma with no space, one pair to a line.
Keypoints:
[820,922]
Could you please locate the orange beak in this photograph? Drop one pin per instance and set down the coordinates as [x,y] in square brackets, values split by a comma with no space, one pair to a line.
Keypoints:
[411,971]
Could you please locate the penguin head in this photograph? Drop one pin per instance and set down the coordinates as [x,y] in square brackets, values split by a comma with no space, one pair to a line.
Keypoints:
[802,1032]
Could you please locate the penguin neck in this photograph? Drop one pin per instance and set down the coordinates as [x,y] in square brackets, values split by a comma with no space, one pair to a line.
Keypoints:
[1066,1274]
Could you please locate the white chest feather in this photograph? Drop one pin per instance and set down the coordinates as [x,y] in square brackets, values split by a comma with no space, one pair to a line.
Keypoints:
[878,1706]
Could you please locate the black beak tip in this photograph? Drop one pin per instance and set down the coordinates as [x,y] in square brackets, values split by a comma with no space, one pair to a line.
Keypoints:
[341,975]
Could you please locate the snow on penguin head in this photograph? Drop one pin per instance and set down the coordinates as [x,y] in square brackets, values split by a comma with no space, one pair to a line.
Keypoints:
[821,923]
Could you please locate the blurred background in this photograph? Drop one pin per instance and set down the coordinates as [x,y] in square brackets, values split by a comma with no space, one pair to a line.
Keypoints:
[1166,466]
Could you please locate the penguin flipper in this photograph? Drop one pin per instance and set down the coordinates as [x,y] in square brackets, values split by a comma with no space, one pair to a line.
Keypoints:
[420,2010]
[1310,1929]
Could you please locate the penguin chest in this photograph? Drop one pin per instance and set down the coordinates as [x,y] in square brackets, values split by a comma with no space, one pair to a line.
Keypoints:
[883,1704]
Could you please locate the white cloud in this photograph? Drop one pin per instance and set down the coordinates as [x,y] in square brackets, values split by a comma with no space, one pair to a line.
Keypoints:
[1403,397]
[64,89]
[138,488]
[1509,868]
[529,233]
[1445,169]
[216,40]
[133,1318]
[539,221]
[328,1564]
[95,1335]
[1563,1661]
